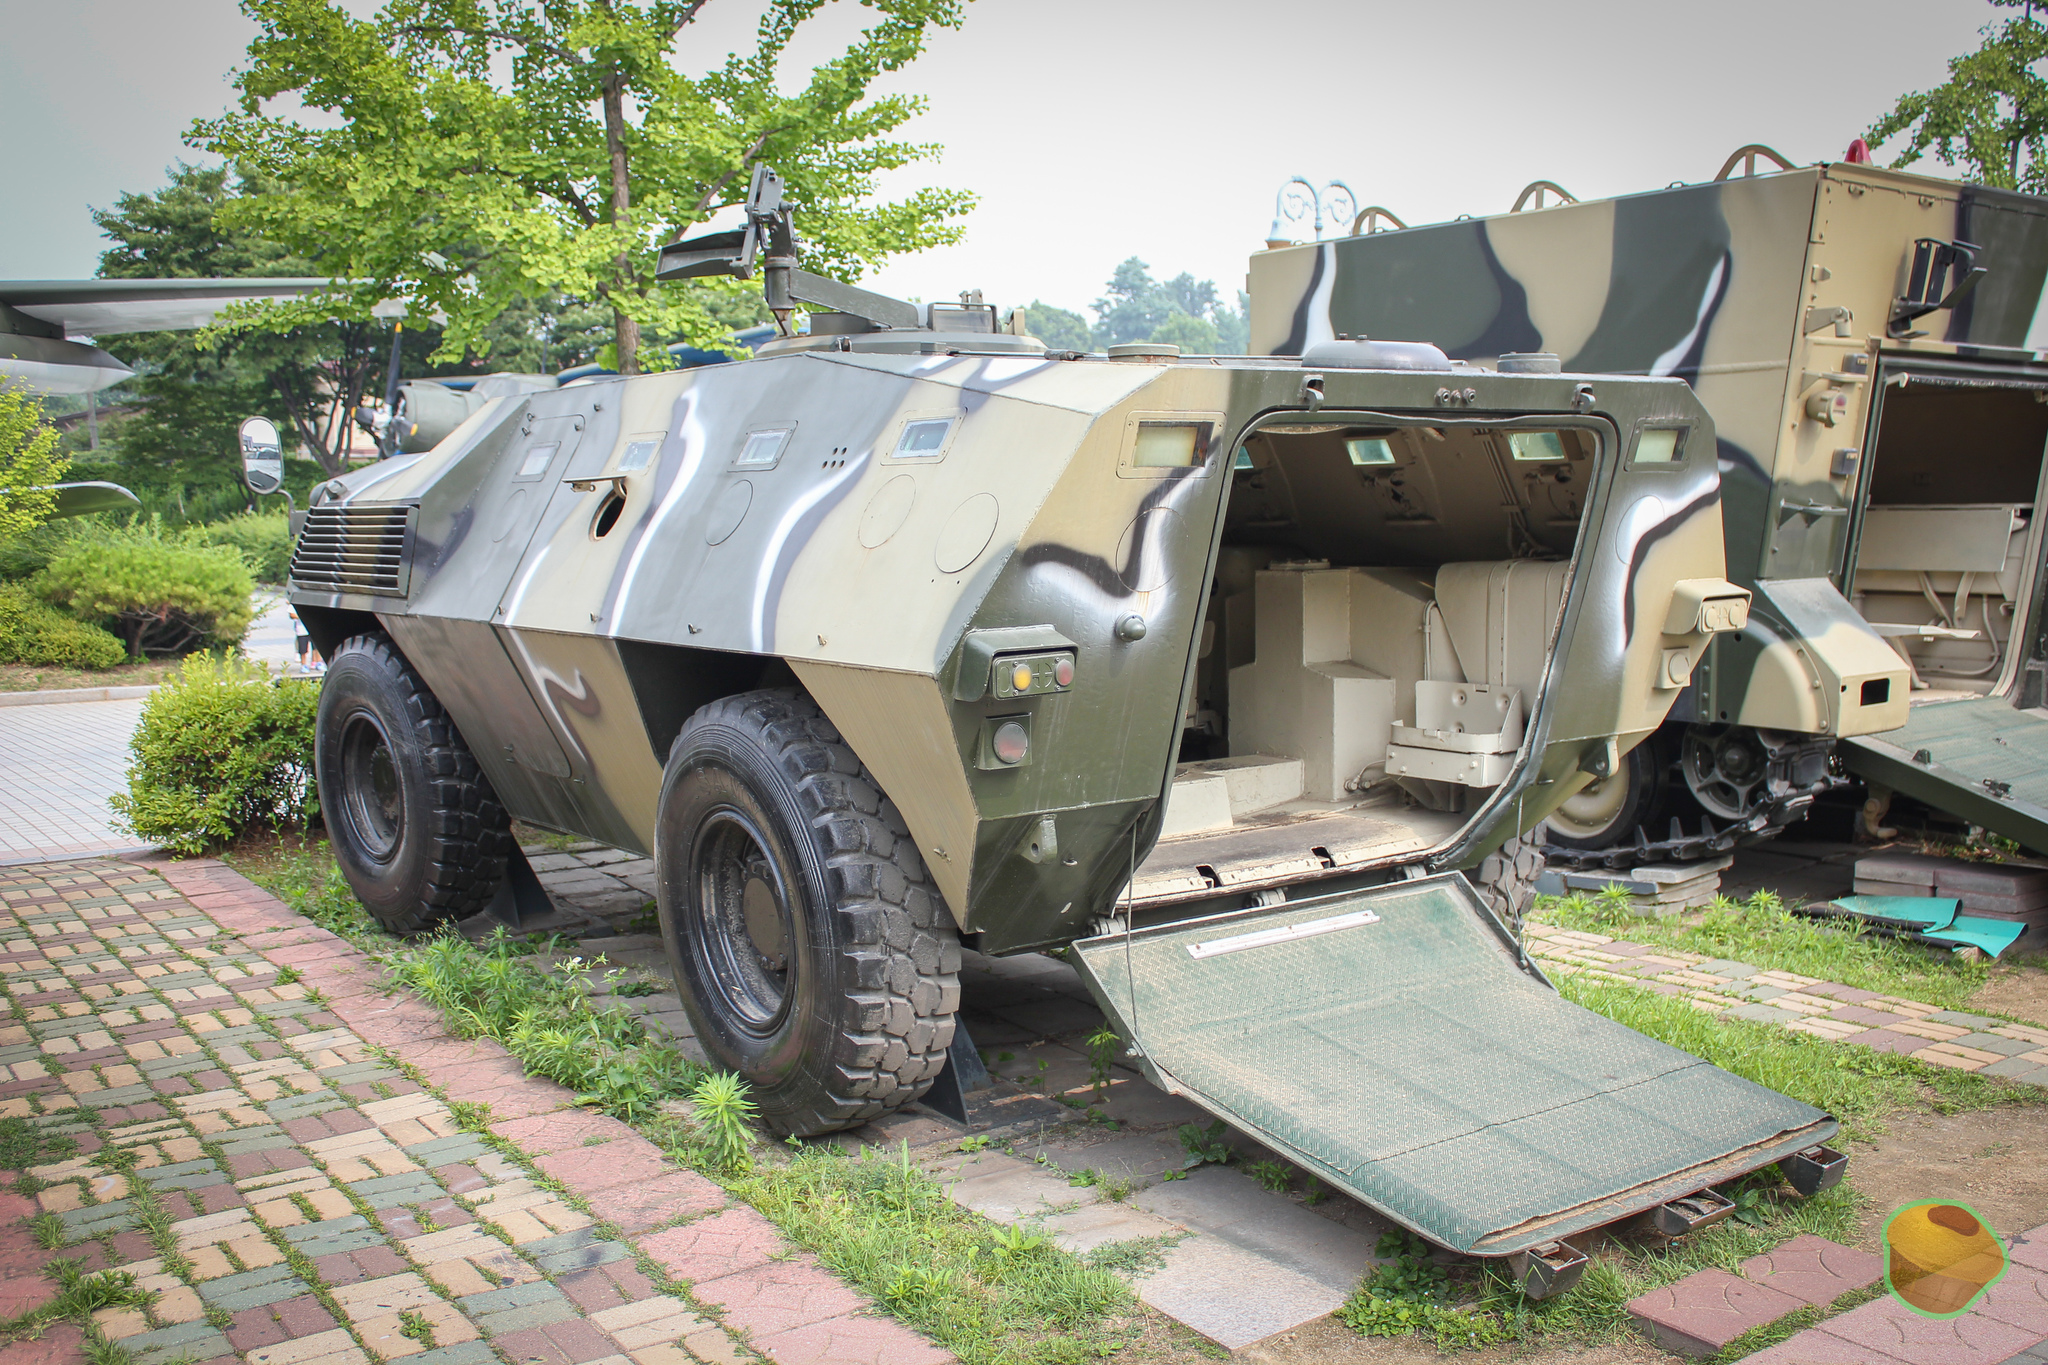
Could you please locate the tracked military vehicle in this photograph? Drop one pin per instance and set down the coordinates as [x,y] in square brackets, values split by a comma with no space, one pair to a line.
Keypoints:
[1870,343]
[907,633]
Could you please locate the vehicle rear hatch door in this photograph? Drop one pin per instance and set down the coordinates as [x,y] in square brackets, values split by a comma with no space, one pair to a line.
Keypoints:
[1389,1043]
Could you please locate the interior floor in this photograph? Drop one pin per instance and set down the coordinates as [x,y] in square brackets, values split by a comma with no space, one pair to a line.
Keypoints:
[1378,631]
[1948,532]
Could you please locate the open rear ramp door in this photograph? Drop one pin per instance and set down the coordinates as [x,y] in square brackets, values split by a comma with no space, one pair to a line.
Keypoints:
[1981,759]
[1387,1042]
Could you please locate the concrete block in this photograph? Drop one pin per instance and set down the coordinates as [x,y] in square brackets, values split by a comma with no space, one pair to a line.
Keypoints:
[1234,1296]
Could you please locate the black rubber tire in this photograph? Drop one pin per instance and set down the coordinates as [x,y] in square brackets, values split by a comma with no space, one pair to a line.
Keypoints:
[430,842]
[1645,804]
[1506,878]
[761,792]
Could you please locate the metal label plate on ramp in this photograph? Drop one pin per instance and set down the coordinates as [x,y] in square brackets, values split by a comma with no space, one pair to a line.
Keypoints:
[1386,1042]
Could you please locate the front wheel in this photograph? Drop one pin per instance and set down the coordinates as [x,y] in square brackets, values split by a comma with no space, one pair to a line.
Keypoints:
[414,824]
[813,955]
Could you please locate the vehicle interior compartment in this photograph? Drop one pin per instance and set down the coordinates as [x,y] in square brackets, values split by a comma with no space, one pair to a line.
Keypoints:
[1948,529]
[1377,632]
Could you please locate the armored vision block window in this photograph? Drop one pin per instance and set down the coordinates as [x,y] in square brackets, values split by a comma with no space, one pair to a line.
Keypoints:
[1365,450]
[1171,445]
[923,440]
[536,460]
[1546,446]
[763,448]
[638,456]
[1659,445]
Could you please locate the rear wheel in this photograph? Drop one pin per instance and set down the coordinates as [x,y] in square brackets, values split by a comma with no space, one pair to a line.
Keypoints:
[813,955]
[414,824]
[1607,812]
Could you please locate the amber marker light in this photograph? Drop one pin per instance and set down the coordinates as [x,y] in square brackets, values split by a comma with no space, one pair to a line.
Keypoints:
[1020,678]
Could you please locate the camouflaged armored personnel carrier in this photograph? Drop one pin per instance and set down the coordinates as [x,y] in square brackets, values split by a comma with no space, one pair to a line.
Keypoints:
[1870,344]
[907,634]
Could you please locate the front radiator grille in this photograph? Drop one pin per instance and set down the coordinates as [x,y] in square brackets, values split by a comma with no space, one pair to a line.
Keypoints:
[355,548]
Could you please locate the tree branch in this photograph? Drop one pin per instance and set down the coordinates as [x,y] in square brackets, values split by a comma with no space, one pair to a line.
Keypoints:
[502,35]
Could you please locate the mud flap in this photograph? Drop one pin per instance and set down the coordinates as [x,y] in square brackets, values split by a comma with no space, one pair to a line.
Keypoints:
[1387,1042]
[1979,760]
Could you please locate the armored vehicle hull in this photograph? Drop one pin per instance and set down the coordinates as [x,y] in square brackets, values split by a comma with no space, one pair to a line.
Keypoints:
[890,640]
[1869,343]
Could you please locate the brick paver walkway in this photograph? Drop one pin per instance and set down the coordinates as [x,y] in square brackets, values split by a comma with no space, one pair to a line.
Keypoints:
[329,1209]
[1926,1033]
[58,765]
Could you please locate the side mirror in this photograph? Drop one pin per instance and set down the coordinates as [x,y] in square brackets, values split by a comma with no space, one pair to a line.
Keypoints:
[262,455]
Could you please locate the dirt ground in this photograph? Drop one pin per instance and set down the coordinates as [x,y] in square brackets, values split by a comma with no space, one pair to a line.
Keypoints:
[2020,991]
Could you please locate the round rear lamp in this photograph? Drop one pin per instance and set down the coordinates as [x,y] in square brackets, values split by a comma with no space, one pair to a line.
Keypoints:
[1063,673]
[1010,742]
[1020,678]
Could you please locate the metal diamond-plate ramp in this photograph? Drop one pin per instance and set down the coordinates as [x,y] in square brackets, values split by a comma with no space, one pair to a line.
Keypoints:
[1981,759]
[1409,1062]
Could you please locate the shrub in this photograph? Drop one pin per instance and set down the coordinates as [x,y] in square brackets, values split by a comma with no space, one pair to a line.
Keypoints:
[161,596]
[29,463]
[264,538]
[32,632]
[222,748]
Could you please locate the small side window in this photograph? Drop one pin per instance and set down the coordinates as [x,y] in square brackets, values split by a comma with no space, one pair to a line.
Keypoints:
[762,449]
[924,440]
[1369,450]
[1659,446]
[1171,445]
[638,456]
[536,461]
[1544,446]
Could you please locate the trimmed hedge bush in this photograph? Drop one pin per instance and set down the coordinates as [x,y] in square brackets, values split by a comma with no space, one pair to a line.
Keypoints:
[222,748]
[161,596]
[32,632]
[264,538]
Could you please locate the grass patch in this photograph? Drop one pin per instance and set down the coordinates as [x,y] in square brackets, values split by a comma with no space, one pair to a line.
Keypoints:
[300,871]
[546,1017]
[79,1295]
[1857,1085]
[987,1294]
[1761,932]
[23,1145]
[53,678]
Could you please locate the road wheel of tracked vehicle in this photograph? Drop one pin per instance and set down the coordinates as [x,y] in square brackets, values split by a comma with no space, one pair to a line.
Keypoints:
[814,956]
[1506,878]
[412,820]
[1607,812]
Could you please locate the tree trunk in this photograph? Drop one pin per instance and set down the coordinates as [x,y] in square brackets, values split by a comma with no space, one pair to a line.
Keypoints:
[627,333]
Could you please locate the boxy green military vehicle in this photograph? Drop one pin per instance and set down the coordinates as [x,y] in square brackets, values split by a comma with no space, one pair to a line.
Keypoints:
[893,638]
[1870,344]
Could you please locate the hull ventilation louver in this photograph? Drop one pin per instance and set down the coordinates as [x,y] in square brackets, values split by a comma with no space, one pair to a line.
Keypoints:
[355,548]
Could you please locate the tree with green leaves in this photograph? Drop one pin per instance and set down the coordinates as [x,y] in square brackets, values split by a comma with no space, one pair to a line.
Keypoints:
[1062,329]
[29,463]
[495,150]
[195,387]
[1990,116]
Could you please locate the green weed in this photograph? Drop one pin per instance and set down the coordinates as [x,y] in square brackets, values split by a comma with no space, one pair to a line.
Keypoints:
[414,1324]
[723,1113]
[1274,1175]
[1205,1145]
[1136,1257]
[49,1231]
[289,976]
[23,1145]
[1102,1049]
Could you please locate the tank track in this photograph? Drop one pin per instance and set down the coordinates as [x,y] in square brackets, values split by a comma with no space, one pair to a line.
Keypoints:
[1679,847]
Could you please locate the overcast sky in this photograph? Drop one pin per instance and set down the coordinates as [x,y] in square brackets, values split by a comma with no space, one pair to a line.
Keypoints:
[1093,130]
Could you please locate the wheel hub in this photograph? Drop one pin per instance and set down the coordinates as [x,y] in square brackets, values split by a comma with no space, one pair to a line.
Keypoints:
[1592,808]
[1727,771]
[743,913]
[373,801]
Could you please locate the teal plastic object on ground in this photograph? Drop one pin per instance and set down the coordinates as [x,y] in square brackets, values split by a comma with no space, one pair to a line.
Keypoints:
[1922,913]
[1994,936]
[1388,1042]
